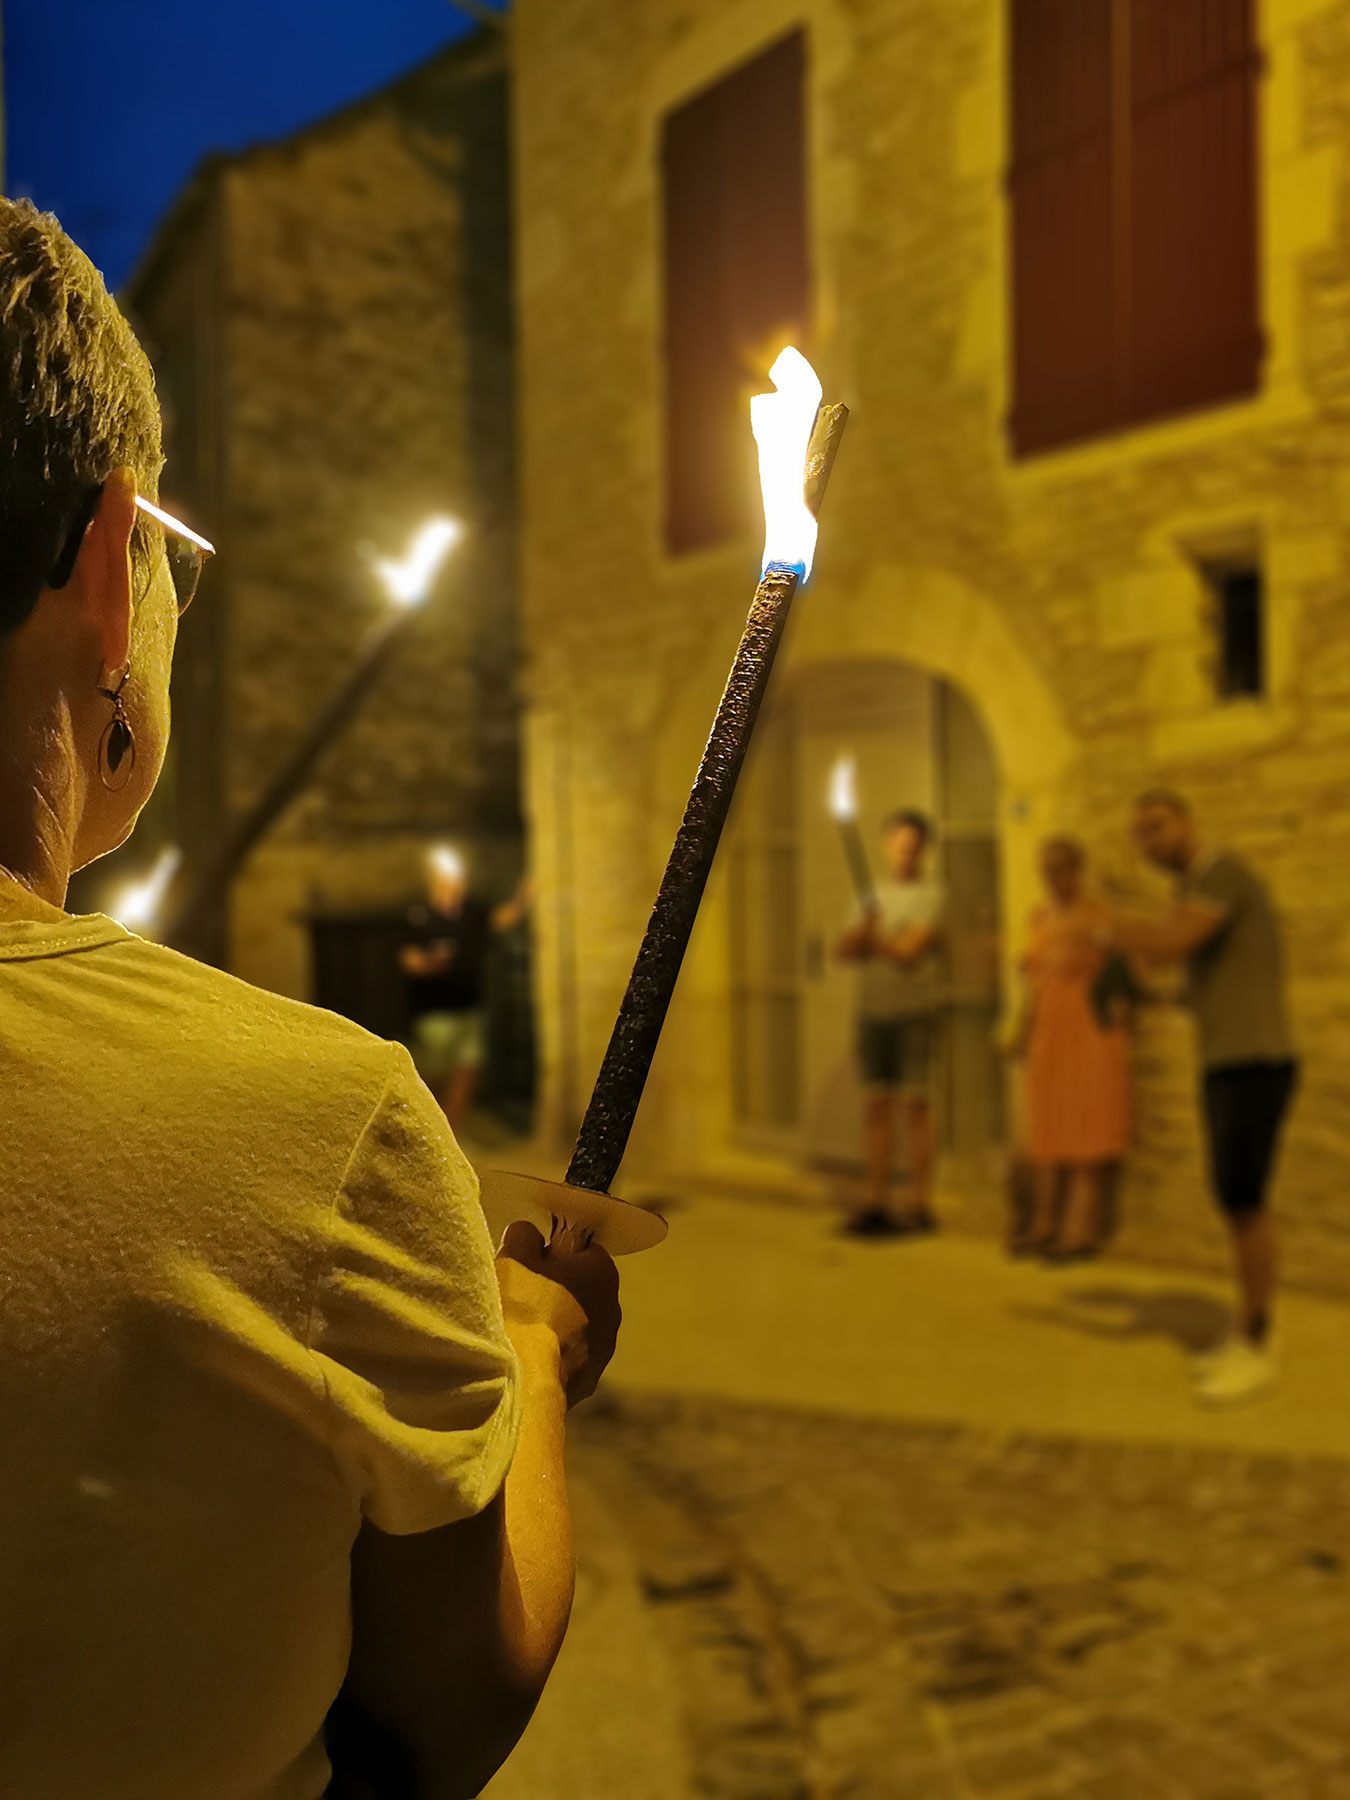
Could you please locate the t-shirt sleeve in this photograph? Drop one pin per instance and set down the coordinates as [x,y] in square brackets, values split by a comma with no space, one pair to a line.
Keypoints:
[420,1379]
[1222,887]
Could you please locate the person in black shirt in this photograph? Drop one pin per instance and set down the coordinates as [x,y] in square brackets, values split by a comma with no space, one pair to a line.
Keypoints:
[444,963]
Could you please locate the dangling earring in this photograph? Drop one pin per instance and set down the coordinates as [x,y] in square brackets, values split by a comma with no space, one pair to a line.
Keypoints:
[117,746]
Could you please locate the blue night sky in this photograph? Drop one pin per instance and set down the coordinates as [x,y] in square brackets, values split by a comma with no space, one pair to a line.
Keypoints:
[111,104]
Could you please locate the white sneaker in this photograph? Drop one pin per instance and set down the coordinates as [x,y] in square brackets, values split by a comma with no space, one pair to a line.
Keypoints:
[1202,1361]
[1235,1373]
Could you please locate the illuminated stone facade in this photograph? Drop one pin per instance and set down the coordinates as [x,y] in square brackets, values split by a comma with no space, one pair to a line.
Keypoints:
[330,319]
[1060,593]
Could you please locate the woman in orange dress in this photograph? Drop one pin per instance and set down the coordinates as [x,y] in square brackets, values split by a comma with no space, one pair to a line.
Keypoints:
[1077,1078]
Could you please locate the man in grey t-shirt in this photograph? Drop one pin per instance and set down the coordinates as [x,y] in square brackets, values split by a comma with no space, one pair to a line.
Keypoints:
[895,943]
[1224,928]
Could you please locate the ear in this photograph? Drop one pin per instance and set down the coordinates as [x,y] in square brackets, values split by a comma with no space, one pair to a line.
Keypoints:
[102,574]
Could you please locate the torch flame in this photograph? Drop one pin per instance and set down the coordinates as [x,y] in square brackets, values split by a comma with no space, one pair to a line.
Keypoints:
[408,582]
[782,424]
[844,789]
[139,903]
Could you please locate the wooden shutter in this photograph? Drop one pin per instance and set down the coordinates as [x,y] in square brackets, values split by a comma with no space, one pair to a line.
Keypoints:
[1193,284]
[1065,326]
[1134,201]
[736,281]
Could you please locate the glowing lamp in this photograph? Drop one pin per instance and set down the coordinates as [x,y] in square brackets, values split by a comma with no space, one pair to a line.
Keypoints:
[446,862]
[407,580]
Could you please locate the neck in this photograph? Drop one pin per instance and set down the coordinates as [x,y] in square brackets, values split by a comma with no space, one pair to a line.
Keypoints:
[41,796]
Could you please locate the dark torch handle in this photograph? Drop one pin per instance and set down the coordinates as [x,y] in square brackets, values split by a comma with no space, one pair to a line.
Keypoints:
[604,1132]
[858,866]
[609,1117]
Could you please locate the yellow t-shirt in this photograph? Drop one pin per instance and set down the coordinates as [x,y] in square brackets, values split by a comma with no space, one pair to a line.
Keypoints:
[246,1300]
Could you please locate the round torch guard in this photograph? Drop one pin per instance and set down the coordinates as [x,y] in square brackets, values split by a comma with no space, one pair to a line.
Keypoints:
[616,1225]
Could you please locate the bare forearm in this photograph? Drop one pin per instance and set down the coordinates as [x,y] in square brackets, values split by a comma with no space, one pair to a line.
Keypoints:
[537,1576]
[495,1702]
[906,947]
[539,1570]
[456,1630]
[855,944]
[1169,938]
[1140,937]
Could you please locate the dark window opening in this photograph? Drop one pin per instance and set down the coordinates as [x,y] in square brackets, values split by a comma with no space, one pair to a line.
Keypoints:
[733,164]
[1239,595]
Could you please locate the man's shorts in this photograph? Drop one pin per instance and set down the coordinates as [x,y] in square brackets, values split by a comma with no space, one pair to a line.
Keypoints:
[1245,1104]
[446,1041]
[898,1055]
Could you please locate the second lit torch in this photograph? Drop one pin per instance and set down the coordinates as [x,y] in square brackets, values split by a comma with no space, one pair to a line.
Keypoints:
[844,812]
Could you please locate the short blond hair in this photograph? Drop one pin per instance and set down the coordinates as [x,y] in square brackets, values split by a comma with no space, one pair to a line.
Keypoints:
[77,400]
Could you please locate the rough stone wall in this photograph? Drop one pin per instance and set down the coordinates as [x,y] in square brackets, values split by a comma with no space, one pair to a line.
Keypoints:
[176,307]
[1062,593]
[366,349]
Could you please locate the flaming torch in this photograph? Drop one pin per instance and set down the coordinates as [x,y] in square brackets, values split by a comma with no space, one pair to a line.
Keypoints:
[407,581]
[798,440]
[844,812]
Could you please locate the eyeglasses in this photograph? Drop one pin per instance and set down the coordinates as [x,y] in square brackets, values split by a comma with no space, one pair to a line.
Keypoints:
[185,549]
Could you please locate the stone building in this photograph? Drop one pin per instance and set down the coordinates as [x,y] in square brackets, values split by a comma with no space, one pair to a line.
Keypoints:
[330,320]
[1030,599]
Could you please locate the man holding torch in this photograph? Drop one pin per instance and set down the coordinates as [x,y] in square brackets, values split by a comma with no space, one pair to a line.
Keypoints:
[271,1416]
[894,940]
[264,1396]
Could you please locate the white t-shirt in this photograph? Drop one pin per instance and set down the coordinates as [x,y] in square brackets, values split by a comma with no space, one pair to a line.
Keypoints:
[246,1300]
[891,990]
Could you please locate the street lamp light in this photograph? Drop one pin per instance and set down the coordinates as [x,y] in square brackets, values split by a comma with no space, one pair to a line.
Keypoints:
[407,581]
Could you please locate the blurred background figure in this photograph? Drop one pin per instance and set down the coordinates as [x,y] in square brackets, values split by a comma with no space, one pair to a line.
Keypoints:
[1077,1056]
[444,962]
[895,941]
[1224,928]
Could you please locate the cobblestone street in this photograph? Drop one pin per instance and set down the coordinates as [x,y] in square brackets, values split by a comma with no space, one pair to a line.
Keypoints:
[990,1550]
[856,1611]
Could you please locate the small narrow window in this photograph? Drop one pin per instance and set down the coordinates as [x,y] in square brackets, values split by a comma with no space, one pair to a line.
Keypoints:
[1239,594]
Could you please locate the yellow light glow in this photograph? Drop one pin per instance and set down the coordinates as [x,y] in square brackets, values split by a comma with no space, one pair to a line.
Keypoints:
[407,580]
[782,424]
[447,862]
[138,905]
[844,789]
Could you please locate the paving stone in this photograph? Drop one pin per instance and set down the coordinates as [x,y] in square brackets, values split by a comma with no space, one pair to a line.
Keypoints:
[860,1610]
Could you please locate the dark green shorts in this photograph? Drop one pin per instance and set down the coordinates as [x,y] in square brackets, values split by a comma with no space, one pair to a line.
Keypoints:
[898,1053]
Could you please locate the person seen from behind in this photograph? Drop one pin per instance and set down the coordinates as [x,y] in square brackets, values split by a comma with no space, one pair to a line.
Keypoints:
[1077,1063]
[273,1421]
[1224,928]
[895,942]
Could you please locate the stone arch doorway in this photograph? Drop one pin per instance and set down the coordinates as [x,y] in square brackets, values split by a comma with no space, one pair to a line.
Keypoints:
[919,741]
